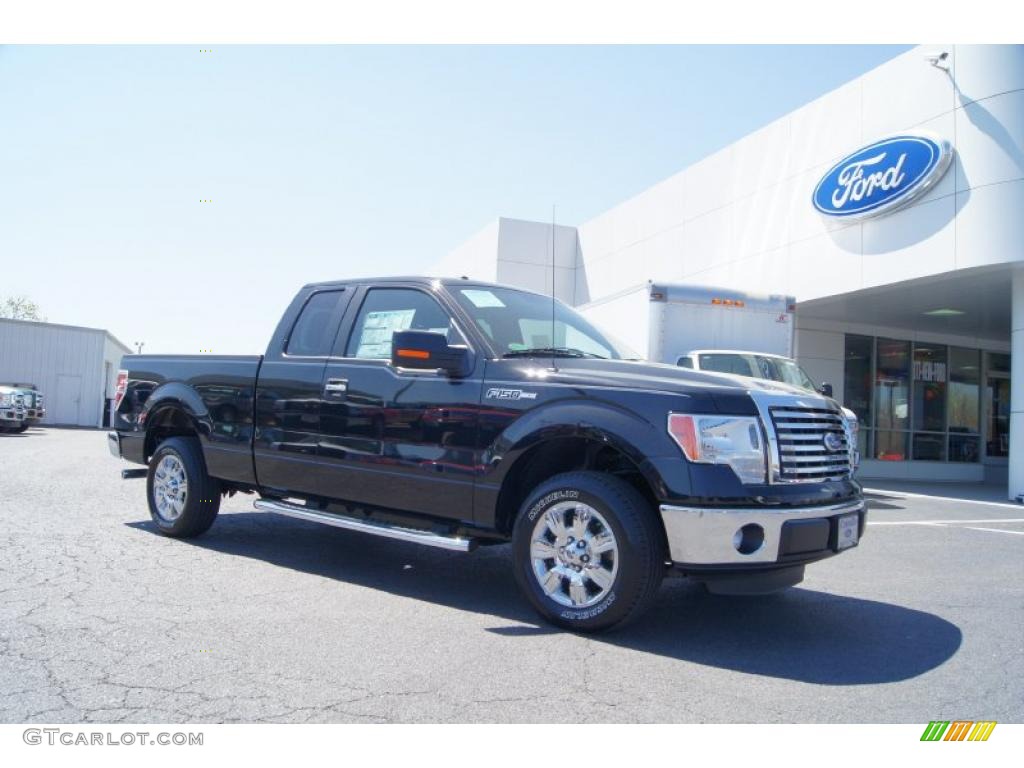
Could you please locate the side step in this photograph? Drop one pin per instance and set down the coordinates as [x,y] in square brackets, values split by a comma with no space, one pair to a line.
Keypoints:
[430,539]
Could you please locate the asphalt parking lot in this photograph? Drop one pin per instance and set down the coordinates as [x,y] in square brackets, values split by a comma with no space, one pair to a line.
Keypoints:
[267,618]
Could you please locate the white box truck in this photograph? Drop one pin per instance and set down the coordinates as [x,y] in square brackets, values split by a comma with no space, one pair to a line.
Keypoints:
[663,322]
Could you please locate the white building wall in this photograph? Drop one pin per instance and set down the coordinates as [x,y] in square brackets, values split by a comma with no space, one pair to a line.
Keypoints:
[528,249]
[476,258]
[743,218]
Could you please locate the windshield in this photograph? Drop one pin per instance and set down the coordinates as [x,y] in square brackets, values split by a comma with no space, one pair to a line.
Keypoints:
[787,371]
[518,324]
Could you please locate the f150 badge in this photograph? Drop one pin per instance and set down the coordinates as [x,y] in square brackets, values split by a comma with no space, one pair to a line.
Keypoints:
[497,393]
[883,176]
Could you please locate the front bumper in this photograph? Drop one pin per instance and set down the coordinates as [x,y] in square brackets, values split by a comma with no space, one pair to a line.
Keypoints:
[704,536]
[12,416]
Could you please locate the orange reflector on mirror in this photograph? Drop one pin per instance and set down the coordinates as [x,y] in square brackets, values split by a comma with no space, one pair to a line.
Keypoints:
[419,354]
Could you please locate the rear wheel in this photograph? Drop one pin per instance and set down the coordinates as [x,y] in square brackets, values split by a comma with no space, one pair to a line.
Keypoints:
[589,551]
[183,498]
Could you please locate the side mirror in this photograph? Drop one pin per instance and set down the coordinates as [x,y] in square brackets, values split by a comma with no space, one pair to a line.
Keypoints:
[825,389]
[429,351]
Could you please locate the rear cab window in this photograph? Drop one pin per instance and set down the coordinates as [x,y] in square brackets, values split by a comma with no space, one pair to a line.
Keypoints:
[314,330]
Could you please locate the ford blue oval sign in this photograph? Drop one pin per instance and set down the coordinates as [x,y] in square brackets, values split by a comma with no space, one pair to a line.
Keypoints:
[883,176]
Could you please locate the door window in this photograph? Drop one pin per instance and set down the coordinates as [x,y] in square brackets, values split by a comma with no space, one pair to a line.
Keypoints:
[386,310]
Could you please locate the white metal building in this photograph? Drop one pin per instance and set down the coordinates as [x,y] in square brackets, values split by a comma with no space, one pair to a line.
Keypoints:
[75,368]
[910,310]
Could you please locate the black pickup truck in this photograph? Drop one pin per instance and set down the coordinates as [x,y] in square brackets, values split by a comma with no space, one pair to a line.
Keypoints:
[455,413]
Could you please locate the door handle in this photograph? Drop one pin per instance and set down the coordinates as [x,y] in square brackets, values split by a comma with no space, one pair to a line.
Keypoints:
[336,387]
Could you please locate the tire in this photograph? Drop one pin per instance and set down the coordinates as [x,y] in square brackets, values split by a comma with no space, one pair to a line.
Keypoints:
[183,498]
[589,588]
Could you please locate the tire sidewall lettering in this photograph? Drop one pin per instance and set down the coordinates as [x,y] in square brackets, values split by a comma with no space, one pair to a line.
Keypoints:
[592,611]
[567,494]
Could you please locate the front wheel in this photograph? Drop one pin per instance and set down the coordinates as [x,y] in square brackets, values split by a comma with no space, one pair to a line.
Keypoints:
[589,551]
[183,498]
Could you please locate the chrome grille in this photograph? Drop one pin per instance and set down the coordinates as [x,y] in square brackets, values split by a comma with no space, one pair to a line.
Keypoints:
[801,434]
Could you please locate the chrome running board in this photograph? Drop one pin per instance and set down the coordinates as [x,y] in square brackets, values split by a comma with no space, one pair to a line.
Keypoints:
[428,538]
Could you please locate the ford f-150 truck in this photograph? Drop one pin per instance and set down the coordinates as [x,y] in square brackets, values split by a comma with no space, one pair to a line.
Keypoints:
[455,413]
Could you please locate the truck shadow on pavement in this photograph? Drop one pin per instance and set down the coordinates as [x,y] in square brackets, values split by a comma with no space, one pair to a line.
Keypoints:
[800,634]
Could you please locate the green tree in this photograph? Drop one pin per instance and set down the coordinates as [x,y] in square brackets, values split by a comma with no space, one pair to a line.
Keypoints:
[20,308]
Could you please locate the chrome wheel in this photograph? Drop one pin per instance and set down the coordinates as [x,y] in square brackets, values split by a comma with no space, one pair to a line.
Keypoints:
[574,554]
[170,487]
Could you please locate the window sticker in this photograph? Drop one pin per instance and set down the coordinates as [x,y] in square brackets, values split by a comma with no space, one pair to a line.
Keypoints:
[482,299]
[375,339]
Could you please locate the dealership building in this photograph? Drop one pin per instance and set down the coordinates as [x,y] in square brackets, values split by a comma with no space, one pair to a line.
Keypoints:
[892,209]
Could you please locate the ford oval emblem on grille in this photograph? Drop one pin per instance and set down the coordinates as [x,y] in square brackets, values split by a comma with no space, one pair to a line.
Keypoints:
[833,442]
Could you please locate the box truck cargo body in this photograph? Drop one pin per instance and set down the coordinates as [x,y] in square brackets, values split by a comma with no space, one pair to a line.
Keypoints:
[662,322]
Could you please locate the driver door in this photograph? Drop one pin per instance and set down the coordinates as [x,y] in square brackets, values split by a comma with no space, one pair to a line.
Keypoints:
[397,438]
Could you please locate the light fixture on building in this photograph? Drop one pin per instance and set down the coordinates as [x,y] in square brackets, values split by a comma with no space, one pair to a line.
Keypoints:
[944,312]
[938,59]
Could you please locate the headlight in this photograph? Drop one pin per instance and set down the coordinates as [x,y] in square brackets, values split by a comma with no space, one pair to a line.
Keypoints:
[732,440]
[852,436]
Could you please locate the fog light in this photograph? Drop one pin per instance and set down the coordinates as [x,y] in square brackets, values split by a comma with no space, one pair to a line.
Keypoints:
[748,539]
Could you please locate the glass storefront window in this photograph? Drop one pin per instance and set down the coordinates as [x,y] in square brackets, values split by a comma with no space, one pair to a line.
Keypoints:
[891,446]
[926,401]
[964,447]
[929,389]
[857,377]
[997,405]
[998,362]
[929,446]
[964,383]
[964,404]
[892,388]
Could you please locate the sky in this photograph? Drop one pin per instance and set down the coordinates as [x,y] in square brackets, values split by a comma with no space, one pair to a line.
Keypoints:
[180,195]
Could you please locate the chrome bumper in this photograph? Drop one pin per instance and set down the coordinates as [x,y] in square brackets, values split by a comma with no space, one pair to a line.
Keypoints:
[704,536]
[11,414]
[114,444]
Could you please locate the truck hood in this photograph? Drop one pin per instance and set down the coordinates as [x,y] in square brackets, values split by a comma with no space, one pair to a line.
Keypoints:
[635,374]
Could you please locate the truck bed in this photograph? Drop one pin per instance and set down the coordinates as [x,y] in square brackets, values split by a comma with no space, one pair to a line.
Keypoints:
[217,391]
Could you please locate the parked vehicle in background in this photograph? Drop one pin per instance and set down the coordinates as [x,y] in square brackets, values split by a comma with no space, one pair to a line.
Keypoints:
[12,410]
[453,413]
[663,321]
[32,402]
[760,365]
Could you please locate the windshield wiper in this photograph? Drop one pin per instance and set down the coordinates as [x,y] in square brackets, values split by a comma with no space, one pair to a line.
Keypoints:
[551,352]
